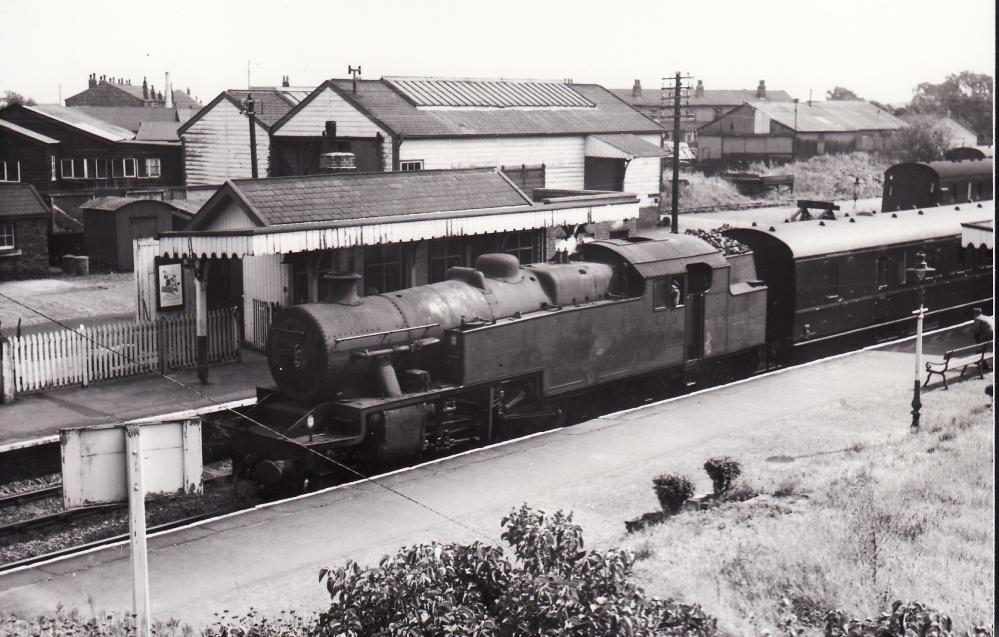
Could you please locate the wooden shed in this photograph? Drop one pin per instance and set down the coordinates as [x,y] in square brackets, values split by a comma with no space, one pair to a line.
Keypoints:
[111,224]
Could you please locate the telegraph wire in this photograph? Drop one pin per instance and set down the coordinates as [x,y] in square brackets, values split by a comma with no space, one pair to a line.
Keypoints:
[216,403]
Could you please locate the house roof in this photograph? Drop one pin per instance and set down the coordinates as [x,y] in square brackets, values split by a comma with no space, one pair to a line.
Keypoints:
[386,103]
[112,203]
[830,116]
[130,117]
[337,197]
[25,132]
[271,102]
[158,131]
[180,98]
[81,120]
[722,97]
[21,200]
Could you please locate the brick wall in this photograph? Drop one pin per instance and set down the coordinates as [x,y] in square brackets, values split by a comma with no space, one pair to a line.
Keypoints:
[31,238]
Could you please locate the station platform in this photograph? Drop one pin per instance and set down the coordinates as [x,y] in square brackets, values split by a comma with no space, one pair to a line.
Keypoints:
[37,417]
[269,558]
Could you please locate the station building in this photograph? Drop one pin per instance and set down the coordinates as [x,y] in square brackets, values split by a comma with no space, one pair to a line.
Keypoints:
[261,244]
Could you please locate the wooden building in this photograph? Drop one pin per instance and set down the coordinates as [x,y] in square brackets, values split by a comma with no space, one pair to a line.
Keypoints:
[539,132]
[785,131]
[269,242]
[112,224]
[91,154]
[24,232]
[701,105]
[217,138]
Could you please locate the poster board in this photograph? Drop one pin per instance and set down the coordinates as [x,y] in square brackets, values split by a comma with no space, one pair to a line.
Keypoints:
[169,285]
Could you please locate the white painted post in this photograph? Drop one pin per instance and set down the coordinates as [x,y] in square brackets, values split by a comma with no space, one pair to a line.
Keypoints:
[137,529]
[84,353]
[201,322]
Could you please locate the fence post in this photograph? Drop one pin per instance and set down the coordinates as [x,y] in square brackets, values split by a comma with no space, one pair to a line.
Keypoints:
[7,381]
[235,322]
[161,344]
[84,353]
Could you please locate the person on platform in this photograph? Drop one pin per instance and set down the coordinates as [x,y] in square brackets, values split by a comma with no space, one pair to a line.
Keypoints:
[984,326]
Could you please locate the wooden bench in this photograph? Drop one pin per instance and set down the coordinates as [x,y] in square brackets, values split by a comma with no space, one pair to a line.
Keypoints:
[963,357]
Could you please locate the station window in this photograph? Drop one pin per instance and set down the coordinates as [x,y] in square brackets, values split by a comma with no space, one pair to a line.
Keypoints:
[74,168]
[444,255]
[101,168]
[124,167]
[411,165]
[525,245]
[385,268]
[153,167]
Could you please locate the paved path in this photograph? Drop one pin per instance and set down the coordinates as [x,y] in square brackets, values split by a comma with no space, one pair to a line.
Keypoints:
[34,416]
[269,558]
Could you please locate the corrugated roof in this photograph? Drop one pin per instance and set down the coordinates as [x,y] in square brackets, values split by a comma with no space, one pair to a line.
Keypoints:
[389,106]
[811,238]
[271,102]
[21,130]
[112,203]
[830,116]
[129,117]
[158,132]
[318,198]
[82,120]
[631,145]
[21,200]
[652,97]
[501,93]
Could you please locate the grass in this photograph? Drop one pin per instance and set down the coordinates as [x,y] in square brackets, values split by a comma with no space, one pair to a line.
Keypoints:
[832,177]
[887,515]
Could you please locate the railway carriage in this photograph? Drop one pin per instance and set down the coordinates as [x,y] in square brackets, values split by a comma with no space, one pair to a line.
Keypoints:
[831,278]
[920,184]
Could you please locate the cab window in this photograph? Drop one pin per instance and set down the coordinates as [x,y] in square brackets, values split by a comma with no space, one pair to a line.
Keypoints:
[668,293]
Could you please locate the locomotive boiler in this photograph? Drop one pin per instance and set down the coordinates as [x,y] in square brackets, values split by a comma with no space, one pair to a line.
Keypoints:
[494,351]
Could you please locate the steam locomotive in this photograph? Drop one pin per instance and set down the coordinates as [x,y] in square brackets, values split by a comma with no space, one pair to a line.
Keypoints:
[503,348]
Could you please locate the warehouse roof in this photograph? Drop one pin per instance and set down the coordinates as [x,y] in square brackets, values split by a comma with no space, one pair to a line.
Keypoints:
[21,200]
[829,116]
[131,117]
[721,97]
[82,121]
[25,132]
[271,103]
[158,132]
[435,107]
[320,198]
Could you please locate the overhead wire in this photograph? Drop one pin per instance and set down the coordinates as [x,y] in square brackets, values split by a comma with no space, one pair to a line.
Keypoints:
[223,406]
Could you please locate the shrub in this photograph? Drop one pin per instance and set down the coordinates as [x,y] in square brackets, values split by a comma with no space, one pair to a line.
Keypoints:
[556,588]
[903,620]
[723,471]
[672,490]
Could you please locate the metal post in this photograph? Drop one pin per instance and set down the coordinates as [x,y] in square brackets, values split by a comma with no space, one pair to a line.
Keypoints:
[794,138]
[201,320]
[675,195]
[917,403]
[251,116]
[137,530]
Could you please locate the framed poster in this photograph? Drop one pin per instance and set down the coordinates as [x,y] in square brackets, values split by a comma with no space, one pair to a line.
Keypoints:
[169,285]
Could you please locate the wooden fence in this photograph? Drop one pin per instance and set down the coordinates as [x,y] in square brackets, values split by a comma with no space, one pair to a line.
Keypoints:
[47,360]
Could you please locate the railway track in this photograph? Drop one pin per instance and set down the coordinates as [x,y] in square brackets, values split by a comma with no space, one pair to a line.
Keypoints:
[30,496]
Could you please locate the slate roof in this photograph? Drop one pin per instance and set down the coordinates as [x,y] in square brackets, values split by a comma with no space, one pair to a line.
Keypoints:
[129,117]
[21,200]
[157,132]
[337,197]
[831,116]
[381,101]
[21,130]
[82,120]
[272,102]
[721,97]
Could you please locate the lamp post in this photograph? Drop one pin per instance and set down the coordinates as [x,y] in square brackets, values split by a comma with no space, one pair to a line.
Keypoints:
[920,271]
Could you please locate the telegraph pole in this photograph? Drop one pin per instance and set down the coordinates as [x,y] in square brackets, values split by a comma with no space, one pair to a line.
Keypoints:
[251,116]
[676,107]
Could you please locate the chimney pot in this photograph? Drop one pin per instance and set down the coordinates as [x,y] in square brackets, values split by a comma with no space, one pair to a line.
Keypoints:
[761,90]
[284,81]
[145,89]
[699,89]
[636,90]
[92,80]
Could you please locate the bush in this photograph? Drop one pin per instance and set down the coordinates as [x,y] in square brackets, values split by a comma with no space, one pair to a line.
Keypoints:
[903,620]
[723,471]
[672,490]
[557,588]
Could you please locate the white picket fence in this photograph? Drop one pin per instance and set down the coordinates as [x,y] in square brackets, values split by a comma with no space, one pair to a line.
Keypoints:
[47,360]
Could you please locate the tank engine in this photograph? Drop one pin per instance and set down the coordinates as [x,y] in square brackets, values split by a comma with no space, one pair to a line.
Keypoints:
[493,351]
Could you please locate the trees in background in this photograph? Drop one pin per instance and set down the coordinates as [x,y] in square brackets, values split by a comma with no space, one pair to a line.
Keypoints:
[10,98]
[964,96]
[924,139]
[841,93]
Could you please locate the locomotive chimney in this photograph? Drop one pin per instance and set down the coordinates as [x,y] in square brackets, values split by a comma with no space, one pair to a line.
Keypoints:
[343,288]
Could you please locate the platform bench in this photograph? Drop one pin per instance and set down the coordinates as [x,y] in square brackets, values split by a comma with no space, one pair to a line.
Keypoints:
[963,358]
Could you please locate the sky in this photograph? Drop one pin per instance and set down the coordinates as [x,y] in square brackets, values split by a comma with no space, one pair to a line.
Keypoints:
[880,49]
